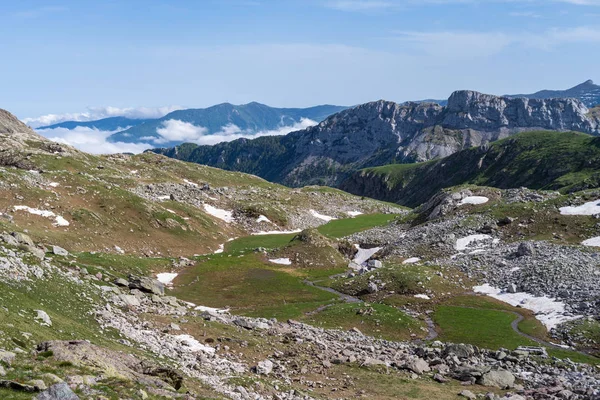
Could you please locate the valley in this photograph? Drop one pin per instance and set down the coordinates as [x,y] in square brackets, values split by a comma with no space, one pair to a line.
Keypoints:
[141,276]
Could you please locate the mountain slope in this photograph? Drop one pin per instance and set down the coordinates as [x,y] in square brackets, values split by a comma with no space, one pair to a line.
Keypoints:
[568,161]
[105,124]
[587,92]
[249,118]
[383,132]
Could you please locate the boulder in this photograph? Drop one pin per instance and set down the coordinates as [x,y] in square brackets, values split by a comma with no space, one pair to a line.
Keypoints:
[525,249]
[374,264]
[9,240]
[147,285]
[264,367]
[468,394]
[372,287]
[417,365]
[60,391]
[459,350]
[7,357]
[59,251]
[512,288]
[129,300]
[23,239]
[498,378]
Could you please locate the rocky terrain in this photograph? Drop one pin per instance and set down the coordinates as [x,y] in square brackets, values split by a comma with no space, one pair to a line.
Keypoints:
[144,277]
[384,132]
[588,92]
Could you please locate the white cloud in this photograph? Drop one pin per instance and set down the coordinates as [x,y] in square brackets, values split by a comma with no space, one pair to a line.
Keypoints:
[94,113]
[92,140]
[175,130]
[359,5]
[463,45]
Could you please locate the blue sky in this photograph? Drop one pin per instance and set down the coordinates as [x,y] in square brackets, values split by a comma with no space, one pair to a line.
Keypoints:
[84,56]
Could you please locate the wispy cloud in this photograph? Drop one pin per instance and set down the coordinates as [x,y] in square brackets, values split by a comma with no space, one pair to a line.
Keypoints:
[360,5]
[94,113]
[39,12]
[457,44]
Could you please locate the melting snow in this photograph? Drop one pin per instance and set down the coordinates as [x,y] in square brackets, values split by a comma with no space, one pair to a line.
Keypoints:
[281,261]
[422,296]
[225,215]
[594,242]
[474,200]
[321,216]
[276,232]
[354,213]
[164,197]
[220,249]
[190,344]
[166,277]
[53,184]
[411,260]
[464,243]
[190,183]
[589,208]
[364,254]
[548,311]
[262,218]
[58,220]
[211,309]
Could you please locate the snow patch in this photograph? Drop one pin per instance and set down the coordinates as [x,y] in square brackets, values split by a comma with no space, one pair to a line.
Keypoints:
[474,200]
[465,243]
[262,218]
[163,198]
[364,254]
[411,260]
[224,215]
[220,249]
[354,213]
[321,216]
[190,344]
[58,220]
[275,232]
[589,208]
[212,310]
[422,296]
[593,242]
[54,184]
[166,277]
[190,183]
[548,311]
[281,261]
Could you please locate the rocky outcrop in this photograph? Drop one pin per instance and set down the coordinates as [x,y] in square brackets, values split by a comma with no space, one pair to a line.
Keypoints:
[384,132]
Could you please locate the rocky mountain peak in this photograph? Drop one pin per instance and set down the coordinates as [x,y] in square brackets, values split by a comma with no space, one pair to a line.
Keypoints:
[11,124]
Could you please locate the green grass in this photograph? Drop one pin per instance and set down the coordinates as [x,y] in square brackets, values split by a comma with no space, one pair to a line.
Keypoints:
[248,285]
[253,242]
[484,328]
[384,322]
[122,265]
[344,227]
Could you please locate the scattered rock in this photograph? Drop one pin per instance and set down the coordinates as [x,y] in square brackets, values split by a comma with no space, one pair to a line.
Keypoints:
[60,391]
[264,367]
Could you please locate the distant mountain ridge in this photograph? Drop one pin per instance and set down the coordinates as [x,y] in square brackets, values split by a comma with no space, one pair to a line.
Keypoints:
[384,132]
[251,118]
[587,92]
[104,124]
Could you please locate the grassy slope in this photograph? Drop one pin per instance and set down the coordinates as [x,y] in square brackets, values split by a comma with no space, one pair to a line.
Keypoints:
[538,160]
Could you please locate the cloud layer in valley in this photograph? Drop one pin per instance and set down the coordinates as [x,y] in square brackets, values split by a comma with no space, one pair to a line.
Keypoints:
[96,141]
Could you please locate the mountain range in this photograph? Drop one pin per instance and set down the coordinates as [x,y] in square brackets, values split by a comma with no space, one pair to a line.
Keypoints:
[384,132]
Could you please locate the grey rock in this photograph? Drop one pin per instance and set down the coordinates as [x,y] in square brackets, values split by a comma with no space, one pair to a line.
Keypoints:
[374,264]
[468,394]
[60,391]
[459,350]
[264,367]
[121,282]
[2,371]
[38,384]
[147,285]
[417,365]
[129,300]
[10,240]
[372,287]
[59,251]
[498,378]
[525,249]
[44,317]
[512,288]
[23,239]
[7,357]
